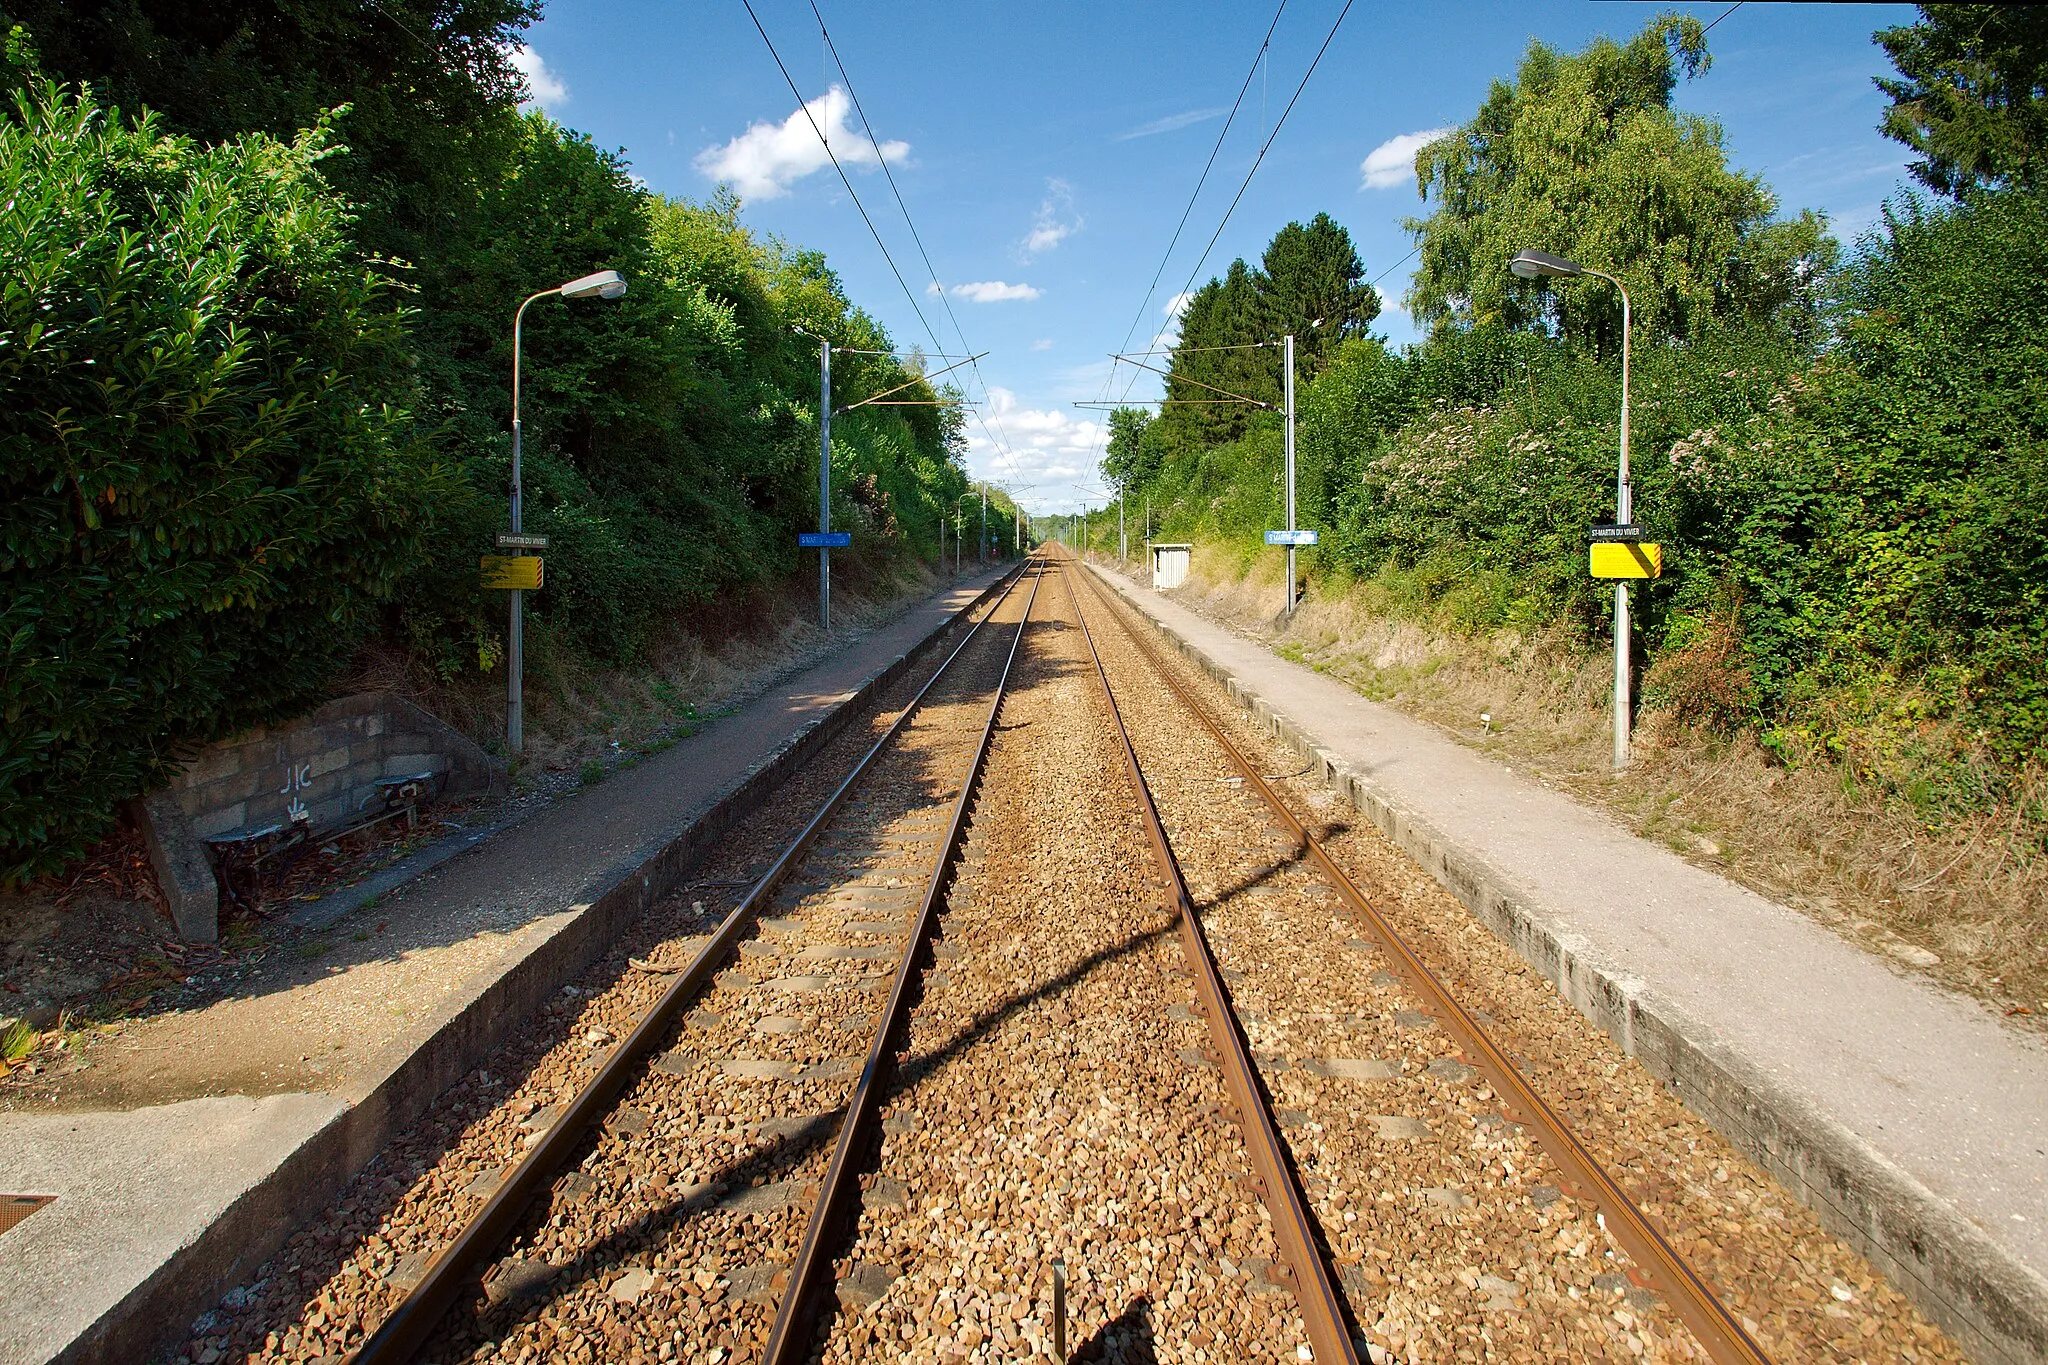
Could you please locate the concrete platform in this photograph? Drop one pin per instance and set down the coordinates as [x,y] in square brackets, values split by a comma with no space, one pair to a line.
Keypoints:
[159,1210]
[1911,1119]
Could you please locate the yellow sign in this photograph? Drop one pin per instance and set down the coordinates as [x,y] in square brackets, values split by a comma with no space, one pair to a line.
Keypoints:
[512,571]
[1627,559]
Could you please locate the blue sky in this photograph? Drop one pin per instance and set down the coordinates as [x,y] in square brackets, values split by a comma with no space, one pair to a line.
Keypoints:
[1045,152]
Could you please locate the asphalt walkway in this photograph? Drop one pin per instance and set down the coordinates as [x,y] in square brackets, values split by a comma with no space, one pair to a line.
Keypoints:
[1925,1104]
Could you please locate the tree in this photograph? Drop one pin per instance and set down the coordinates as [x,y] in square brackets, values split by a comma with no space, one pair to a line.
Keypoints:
[1129,461]
[1583,156]
[1973,101]
[429,84]
[1220,331]
[208,481]
[1311,286]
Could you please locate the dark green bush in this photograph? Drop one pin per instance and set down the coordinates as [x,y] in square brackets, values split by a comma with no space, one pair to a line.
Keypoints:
[207,477]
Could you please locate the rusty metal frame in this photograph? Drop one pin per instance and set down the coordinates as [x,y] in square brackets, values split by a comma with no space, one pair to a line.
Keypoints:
[1294,1227]
[455,1267]
[1695,1302]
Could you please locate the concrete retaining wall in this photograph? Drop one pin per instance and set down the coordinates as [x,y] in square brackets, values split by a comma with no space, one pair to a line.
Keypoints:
[1951,1271]
[325,767]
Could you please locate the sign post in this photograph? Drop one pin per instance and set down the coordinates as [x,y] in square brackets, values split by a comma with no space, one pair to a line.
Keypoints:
[520,573]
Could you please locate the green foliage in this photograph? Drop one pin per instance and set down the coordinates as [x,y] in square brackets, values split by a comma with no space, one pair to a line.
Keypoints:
[1972,98]
[1849,478]
[428,85]
[1895,538]
[1129,460]
[207,476]
[670,438]
[1310,284]
[216,488]
[1582,155]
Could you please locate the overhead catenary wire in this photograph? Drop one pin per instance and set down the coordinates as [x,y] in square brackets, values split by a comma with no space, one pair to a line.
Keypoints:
[1278,124]
[945,301]
[1200,182]
[844,179]
[1257,161]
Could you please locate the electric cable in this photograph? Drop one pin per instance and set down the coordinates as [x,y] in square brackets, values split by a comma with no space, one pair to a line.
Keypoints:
[826,143]
[1200,182]
[944,301]
[1278,124]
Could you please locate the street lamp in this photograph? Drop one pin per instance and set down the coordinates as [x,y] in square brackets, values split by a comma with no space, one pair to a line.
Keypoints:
[1529,265]
[604,284]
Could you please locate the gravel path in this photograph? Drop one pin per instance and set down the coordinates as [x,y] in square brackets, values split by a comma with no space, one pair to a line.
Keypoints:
[1453,1241]
[1048,1106]
[1053,1101]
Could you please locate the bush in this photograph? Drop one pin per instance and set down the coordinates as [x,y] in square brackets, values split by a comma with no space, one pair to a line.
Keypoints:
[207,477]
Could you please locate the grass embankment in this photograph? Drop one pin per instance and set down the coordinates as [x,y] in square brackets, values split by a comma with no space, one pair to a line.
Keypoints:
[586,716]
[93,949]
[1962,897]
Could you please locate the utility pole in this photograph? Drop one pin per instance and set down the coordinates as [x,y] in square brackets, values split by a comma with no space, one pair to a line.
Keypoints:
[981,552]
[1123,542]
[824,481]
[1290,470]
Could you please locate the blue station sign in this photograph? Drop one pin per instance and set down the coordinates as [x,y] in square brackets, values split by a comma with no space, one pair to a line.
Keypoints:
[824,540]
[1290,537]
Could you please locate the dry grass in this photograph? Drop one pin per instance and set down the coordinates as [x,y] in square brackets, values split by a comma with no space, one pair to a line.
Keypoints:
[709,658]
[1965,902]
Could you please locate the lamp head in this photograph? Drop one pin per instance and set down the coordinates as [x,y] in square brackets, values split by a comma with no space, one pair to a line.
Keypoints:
[1531,264]
[605,284]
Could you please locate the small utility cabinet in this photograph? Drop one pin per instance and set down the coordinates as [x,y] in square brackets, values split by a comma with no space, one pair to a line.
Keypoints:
[1169,565]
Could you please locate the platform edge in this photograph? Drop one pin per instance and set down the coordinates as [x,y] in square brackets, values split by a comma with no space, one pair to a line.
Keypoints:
[1961,1279]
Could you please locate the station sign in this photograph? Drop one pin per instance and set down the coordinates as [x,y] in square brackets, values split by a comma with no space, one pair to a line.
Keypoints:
[1626,558]
[1290,537]
[521,572]
[521,540]
[824,540]
[1607,532]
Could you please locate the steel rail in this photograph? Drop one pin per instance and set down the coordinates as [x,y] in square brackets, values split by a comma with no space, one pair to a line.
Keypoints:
[1690,1297]
[1294,1228]
[791,1340]
[453,1269]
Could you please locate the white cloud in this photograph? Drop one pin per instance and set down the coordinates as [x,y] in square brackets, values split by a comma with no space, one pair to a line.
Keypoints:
[1171,123]
[764,161]
[1055,220]
[1042,344]
[988,291]
[1052,449]
[543,87]
[1392,163]
[1176,305]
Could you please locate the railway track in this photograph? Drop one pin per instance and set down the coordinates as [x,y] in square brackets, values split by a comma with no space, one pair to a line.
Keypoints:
[1130,1028]
[1656,1263]
[841,897]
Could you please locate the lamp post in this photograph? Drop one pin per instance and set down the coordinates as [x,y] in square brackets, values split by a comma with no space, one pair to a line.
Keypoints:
[604,284]
[1530,265]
